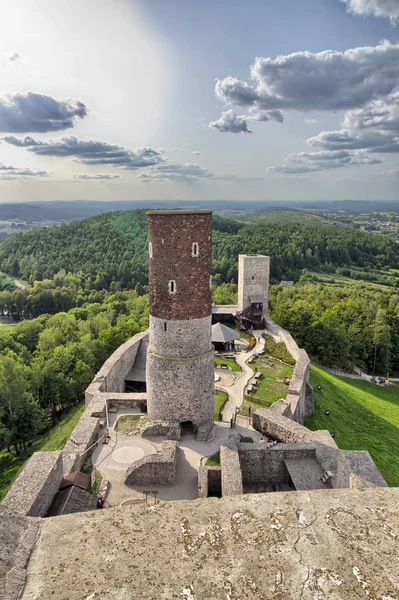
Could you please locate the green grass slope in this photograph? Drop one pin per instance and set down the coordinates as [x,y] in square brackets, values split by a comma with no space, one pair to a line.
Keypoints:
[363,416]
[54,439]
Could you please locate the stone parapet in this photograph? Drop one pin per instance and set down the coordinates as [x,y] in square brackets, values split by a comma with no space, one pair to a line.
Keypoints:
[34,489]
[209,481]
[230,466]
[155,469]
[262,465]
[111,376]
[168,429]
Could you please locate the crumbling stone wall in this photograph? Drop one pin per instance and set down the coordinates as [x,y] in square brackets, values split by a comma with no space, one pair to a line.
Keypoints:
[209,481]
[168,429]
[260,464]
[230,466]
[299,401]
[85,433]
[34,489]
[155,469]
[111,376]
[253,279]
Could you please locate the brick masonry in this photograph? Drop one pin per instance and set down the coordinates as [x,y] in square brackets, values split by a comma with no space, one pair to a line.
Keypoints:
[172,234]
[180,369]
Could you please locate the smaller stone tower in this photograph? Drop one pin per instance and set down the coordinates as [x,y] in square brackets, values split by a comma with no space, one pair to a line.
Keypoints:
[180,357]
[253,282]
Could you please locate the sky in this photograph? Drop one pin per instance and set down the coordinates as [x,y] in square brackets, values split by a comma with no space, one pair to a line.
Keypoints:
[199,100]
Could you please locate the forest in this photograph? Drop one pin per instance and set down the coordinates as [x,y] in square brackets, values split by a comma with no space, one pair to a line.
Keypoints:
[86,293]
[109,251]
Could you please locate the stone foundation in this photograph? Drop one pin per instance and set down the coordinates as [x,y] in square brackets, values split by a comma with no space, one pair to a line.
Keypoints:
[230,466]
[169,430]
[155,469]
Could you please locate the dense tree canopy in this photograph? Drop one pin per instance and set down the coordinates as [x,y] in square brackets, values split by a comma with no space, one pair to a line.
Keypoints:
[341,326]
[109,251]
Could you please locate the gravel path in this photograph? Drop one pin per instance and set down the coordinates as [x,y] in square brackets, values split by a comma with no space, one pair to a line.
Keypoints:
[236,391]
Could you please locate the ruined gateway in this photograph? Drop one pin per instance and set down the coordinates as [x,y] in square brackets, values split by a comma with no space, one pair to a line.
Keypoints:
[338,541]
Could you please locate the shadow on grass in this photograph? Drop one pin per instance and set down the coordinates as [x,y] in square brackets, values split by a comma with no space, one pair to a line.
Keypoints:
[355,426]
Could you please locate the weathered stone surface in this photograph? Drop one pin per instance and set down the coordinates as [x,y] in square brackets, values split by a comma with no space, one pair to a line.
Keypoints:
[168,429]
[262,465]
[253,279]
[321,545]
[111,376]
[230,465]
[209,481]
[17,538]
[363,472]
[155,469]
[34,489]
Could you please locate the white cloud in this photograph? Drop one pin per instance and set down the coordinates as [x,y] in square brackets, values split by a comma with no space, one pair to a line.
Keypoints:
[309,162]
[378,8]
[96,177]
[181,172]
[328,80]
[374,127]
[8,172]
[230,122]
[31,112]
[196,152]
[90,152]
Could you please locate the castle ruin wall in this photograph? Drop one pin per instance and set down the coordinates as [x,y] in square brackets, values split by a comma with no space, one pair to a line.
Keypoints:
[111,376]
[155,469]
[263,465]
[230,466]
[35,487]
[209,481]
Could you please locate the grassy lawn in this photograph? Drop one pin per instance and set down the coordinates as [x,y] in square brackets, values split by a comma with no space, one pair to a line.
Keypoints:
[54,439]
[220,400]
[128,424]
[230,363]
[363,416]
[270,388]
[214,460]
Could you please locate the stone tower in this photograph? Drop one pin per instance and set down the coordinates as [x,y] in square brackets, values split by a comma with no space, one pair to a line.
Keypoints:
[253,281]
[180,357]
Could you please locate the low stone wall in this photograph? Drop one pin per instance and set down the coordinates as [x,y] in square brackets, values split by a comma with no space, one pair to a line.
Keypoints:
[328,454]
[299,400]
[35,487]
[111,376]
[85,433]
[363,472]
[155,469]
[209,481]
[230,466]
[270,422]
[262,465]
[126,400]
[170,430]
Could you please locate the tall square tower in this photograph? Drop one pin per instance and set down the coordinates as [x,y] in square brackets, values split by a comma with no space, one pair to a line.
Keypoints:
[180,358]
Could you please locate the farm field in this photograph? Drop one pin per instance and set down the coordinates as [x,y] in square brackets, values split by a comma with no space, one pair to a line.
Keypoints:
[363,416]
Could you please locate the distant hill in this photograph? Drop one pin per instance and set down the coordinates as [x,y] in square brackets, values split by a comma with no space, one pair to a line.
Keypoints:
[111,248]
[81,209]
